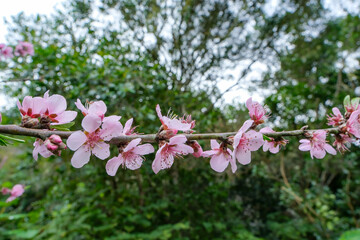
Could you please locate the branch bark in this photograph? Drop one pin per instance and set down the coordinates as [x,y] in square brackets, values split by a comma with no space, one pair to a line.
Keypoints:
[151,138]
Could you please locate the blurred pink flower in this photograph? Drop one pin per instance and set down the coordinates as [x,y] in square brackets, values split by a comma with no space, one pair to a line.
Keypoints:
[131,157]
[15,192]
[198,151]
[256,111]
[92,140]
[246,142]
[23,49]
[317,145]
[165,155]
[7,52]
[220,157]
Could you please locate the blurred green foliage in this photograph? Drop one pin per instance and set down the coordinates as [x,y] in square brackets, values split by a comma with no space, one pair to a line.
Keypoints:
[136,54]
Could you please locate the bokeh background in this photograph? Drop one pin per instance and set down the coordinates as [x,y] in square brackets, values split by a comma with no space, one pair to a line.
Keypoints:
[200,57]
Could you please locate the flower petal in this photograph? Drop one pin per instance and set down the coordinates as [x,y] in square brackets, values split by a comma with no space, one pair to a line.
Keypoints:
[134,162]
[255,140]
[132,144]
[76,139]
[65,117]
[56,104]
[143,149]
[81,157]
[219,162]
[214,144]
[330,149]
[98,108]
[243,157]
[101,150]
[113,165]
[178,139]
[91,122]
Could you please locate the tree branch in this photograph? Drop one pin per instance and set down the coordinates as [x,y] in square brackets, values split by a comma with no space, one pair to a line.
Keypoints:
[42,133]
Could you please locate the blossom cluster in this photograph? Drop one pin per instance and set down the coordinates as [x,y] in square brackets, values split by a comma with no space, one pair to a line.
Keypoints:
[100,132]
[22,49]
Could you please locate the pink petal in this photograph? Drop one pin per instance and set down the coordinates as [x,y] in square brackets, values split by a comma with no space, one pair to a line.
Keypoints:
[162,160]
[17,190]
[232,162]
[219,163]
[209,153]
[76,139]
[127,126]
[111,127]
[134,162]
[266,130]
[178,139]
[274,149]
[304,141]
[266,146]
[81,157]
[113,165]
[176,124]
[336,111]
[318,153]
[65,117]
[255,140]
[158,111]
[27,103]
[249,104]
[237,139]
[98,108]
[247,124]
[330,149]
[243,156]
[56,104]
[39,105]
[183,149]
[43,151]
[305,146]
[214,144]
[132,144]
[46,94]
[11,198]
[143,149]
[101,150]
[81,107]
[91,122]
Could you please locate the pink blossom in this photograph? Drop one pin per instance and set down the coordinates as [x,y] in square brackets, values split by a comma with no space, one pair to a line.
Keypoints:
[245,142]
[15,192]
[7,52]
[353,124]
[41,148]
[273,145]
[335,119]
[256,111]
[131,157]
[2,46]
[92,140]
[198,151]
[55,109]
[32,107]
[341,140]
[317,145]
[165,155]
[221,156]
[24,48]
[127,128]
[172,123]
[98,108]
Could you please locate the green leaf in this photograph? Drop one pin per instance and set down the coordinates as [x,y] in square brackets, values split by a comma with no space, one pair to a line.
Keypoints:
[347,100]
[350,235]
[11,138]
[266,138]
[355,102]
[63,127]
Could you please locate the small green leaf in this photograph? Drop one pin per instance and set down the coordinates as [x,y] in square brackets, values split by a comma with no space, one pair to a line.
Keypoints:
[347,100]
[355,102]
[63,127]
[350,235]
[11,138]
[266,138]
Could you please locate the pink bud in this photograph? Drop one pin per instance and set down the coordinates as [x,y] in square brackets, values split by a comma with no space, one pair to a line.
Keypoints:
[55,139]
[50,146]
[62,146]
[5,191]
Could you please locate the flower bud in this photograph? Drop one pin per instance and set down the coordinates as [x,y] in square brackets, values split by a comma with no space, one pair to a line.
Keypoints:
[50,146]
[56,139]
[29,122]
[5,191]
[62,146]
[167,134]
